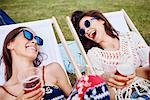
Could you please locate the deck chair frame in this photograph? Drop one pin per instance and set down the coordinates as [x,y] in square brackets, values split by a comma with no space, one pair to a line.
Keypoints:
[68,51]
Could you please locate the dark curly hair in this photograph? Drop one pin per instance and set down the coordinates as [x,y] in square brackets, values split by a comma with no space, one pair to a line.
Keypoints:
[87,43]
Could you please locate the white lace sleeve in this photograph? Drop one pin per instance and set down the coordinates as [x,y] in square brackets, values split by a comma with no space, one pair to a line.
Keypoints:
[141,48]
[94,60]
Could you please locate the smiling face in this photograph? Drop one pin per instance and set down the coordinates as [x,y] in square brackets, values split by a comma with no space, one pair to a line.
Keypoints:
[95,30]
[21,46]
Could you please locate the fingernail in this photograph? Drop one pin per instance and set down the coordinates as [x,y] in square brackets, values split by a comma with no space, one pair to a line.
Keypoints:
[127,78]
[127,83]
[43,90]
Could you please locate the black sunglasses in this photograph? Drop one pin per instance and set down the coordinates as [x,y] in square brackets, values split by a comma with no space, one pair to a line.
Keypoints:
[87,24]
[29,36]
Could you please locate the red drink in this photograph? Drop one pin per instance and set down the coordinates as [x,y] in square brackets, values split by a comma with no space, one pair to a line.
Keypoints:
[32,83]
[30,79]
[117,73]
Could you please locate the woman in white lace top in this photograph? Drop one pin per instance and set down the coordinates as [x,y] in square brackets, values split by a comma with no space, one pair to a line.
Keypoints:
[107,50]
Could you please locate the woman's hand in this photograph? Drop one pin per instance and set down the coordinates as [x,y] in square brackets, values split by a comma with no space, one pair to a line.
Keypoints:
[143,72]
[34,95]
[131,78]
[117,81]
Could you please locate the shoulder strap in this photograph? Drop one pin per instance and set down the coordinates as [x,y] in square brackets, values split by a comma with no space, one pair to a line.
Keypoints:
[43,75]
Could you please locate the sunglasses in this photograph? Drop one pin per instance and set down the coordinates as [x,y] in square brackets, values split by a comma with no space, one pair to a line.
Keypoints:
[29,36]
[87,24]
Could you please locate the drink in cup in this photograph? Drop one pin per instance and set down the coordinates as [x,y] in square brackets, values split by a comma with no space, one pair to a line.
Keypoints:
[30,79]
[124,70]
[31,83]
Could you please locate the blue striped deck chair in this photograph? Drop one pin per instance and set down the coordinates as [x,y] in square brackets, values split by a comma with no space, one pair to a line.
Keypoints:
[5,19]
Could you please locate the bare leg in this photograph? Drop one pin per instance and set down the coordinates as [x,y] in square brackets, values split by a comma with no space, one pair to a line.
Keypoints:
[112,93]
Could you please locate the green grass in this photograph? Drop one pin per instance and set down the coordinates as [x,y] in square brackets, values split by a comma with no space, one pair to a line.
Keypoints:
[30,10]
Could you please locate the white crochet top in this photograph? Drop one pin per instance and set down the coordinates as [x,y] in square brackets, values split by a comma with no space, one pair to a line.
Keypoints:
[132,50]
[131,45]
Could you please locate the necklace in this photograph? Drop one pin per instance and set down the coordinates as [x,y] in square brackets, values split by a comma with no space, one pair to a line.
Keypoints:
[8,91]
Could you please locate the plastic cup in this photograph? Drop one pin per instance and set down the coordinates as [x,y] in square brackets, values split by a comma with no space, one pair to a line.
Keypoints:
[124,70]
[31,83]
[30,80]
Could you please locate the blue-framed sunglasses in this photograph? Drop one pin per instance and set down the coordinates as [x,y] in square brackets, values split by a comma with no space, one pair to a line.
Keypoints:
[29,36]
[87,24]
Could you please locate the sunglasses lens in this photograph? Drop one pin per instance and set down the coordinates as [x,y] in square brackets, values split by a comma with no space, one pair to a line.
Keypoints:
[81,32]
[39,40]
[28,35]
[87,24]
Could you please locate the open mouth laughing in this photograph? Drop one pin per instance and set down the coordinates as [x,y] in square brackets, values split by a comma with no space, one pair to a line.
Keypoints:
[92,34]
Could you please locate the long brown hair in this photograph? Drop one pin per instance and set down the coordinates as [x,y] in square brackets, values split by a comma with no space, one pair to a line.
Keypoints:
[6,55]
[87,43]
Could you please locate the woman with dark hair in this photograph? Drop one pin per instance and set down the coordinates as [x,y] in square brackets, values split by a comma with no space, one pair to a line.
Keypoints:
[109,52]
[20,53]
[21,56]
